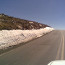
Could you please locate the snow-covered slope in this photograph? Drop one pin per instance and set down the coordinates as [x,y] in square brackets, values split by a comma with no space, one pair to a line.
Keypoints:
[14,37]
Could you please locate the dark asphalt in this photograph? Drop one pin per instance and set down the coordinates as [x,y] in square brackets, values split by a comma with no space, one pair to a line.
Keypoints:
[41,51]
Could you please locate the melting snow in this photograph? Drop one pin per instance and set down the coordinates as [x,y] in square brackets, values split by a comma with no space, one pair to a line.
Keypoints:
[14,37]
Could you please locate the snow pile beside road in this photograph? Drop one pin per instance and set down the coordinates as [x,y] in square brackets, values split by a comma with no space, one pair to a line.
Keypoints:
[13,37]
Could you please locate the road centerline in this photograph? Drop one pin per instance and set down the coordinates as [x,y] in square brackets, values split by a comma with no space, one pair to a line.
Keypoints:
[58,53]
[62,52]
[61,49]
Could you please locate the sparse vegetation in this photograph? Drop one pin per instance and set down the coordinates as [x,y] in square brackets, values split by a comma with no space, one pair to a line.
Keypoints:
[9,23]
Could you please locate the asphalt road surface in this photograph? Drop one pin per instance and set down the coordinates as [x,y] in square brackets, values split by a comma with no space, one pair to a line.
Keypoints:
[40,51]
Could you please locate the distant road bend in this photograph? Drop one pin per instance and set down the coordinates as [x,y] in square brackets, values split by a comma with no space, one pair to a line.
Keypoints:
[40,51]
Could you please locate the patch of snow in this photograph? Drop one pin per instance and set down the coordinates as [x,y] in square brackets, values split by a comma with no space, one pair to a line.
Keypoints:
[30,22]
[14,37]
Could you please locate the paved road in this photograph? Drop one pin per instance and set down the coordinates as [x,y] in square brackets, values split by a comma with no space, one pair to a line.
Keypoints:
[37,52]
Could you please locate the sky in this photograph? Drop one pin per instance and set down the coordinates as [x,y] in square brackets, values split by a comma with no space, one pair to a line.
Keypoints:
[50,12]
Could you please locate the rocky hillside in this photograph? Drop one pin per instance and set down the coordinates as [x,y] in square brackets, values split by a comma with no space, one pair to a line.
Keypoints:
[10,23]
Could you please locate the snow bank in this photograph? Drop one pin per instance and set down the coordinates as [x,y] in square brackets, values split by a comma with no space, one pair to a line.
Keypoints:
[14,37]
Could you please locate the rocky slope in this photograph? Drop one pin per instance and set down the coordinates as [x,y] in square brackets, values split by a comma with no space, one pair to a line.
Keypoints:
[10,23]
[14,31]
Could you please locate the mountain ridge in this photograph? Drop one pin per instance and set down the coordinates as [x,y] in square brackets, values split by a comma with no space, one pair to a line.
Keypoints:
[10,23]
